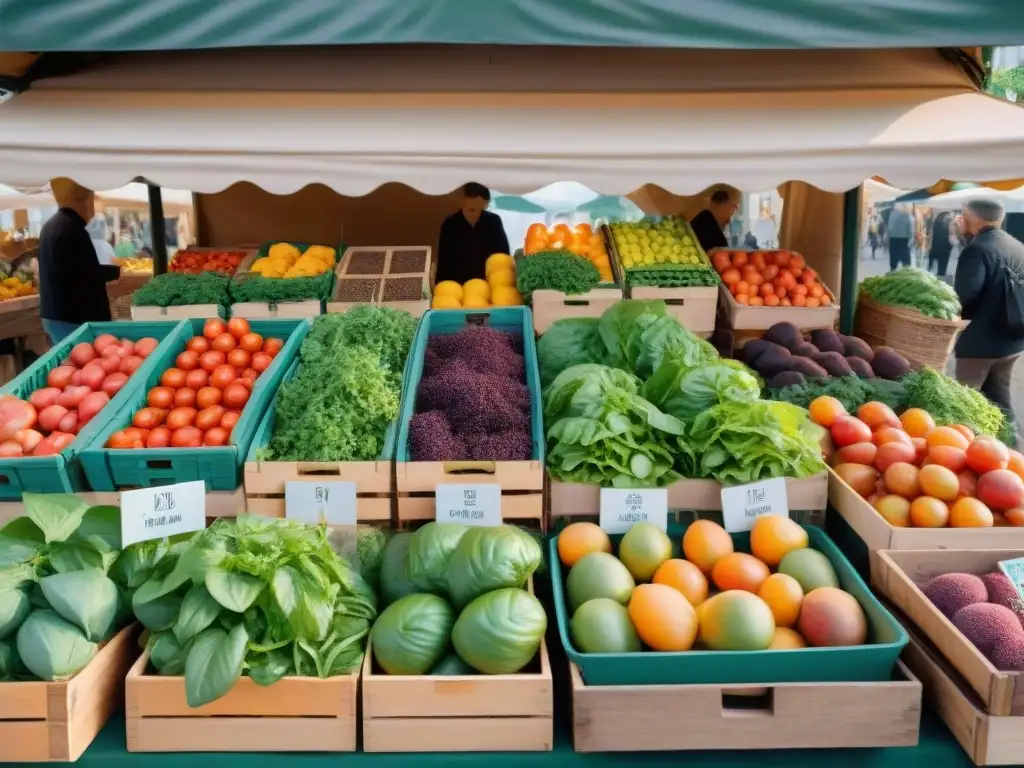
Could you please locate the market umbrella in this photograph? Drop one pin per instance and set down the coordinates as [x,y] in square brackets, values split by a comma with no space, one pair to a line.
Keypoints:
[1013,200]
[609,207]
[515,204]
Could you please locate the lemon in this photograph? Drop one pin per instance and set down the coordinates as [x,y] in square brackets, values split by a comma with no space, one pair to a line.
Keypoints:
[476,287]
[501,278]
[445,302]
[499,261]
[449,288]
[475,301]
[504,296]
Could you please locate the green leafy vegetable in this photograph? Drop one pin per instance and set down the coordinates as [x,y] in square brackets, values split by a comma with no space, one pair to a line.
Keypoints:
[412,634]
[950,402]
[274,290]
[914,289]
[694,277]
[492,558]
[567,343]
[851,391]
[687,391]
[52,648]
[214,664]
[429,552]
[557,271]
[394,575]
[500,632]
[86,598]
[175,289]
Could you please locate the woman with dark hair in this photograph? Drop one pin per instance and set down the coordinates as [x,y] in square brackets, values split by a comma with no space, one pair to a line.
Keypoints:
[941,243]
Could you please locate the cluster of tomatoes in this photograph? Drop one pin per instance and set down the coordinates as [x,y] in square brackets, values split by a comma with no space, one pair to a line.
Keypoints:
[195,262]
[770,279]
[199,401]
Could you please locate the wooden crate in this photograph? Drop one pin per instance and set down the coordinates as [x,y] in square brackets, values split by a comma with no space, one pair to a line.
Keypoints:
[877,533]
[377,278]
[375,492]
[218,504]
[522,486]
[897,574]
[987,739]
[637,718]
[286,310]
[44,722]
[696,307]
[295,714]
[549,306]
[184,312]
[461,713]
[742,317]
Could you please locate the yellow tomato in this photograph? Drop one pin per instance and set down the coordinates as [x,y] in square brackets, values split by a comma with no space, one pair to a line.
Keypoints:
[446,301]
[475,301]
[449,288]
[498,261]
[501,278]
[476,287]
[506,297]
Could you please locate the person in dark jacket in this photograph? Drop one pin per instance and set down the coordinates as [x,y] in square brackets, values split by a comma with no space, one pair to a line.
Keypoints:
[469,236]
[709,224]
[988,279]
[72,282]
[941,243]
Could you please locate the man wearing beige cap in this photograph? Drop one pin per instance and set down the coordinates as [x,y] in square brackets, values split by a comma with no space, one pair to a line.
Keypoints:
[72,282]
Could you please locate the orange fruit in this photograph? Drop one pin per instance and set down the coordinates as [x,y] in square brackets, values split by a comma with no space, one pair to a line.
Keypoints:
[904,480]
[739,571]
[917,421]
[949,457]
[783,594]
[877,415]
[826,410]
[964,430]
[895,509]
[579,539]
[892,435]
[970,513]
[1014,516]
[684,576]
[939,482]
[705,543]
[663,618]
[773,537]
[986,455]
[787,639]
[1016,463]
[946,436]
[926,512]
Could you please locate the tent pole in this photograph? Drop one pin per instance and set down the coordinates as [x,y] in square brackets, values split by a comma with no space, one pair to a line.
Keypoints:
[850,259]
[157,229]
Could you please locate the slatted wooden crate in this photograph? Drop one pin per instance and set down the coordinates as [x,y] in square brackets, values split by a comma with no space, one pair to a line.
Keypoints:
[396,276]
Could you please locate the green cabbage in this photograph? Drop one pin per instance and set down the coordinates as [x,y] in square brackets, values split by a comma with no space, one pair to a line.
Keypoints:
[394,572]
[52,648]
[491,558]
[412,634]
[500,632]
[687,391]
[431,547]
[14,608]
[566,343]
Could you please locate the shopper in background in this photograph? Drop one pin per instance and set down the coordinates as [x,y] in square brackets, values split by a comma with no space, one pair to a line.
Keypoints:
[709,224]
[901,232]
[98,233]
[469,236]
[72,282]
[990,283]
[941,243]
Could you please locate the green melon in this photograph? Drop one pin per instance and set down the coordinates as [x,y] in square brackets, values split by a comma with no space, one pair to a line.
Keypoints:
[810,568]
[603,626]
[736,621]
[643,549]
[598,575]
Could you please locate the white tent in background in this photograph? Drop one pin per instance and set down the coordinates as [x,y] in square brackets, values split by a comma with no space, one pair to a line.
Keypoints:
[1013,199]
[133,195]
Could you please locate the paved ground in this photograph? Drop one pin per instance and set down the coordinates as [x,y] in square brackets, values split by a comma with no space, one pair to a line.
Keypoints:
[880,265]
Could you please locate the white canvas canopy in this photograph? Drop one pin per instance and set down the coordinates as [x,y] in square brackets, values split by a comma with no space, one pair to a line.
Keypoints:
[514,119]
[1013,200]
[130,196]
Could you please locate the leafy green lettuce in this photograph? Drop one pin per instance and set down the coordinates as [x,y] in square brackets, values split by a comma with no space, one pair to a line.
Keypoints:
[687,391]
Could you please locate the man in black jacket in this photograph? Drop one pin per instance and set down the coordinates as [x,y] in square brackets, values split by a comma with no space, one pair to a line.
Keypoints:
[469,236]
[709,224]
[988,280]
[72,282]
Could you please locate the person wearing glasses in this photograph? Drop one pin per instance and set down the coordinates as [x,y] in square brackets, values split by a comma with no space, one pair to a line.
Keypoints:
[709,225]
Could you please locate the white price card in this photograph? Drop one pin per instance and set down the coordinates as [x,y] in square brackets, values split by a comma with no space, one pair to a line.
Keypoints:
[320,503]
[1014,570]
[168,510]
[468,504]
[621,508]
[743,504]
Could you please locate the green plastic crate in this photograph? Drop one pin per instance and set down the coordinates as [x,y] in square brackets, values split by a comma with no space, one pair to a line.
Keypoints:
[116,469]
[865,663]
[515,320]
[62,473]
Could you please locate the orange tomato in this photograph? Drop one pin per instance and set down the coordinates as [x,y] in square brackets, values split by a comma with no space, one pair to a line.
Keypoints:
[782,259]
[964,430]
[721,262]
[917,422]
[771,300]
[705,543]
[799,300]
[757,260]
[766,289]
[742,288]
[731,276]
[877,415]
[1016,463]
[756,301]
[825,411]
[926,512]
[770,272]
[684,576]
[742,298]
[740,259]
[663,617]
[817,291]
[970,513]
[739,571]
[580,539]
[946,436]
[812,303]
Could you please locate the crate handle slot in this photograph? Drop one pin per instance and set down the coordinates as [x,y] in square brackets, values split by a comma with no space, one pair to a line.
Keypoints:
[5,480]
[575,303]
[478,318]
[315,469]
[158,464]
[750,701]
[469,467]
[675,302]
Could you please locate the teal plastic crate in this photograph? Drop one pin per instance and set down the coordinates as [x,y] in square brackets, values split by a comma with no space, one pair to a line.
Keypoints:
[515,320]
[117,469]
[866,663]
[62,473]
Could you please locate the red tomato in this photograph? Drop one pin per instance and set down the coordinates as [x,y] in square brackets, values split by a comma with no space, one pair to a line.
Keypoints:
[181,417]
[130,364]
[230,419]
[239,358]
[208,396]
[184,398]
[223,376]
[82,354]
[272,346]
[148,418]
[159,438]
[210,417]
[261,361]
[216,436]
[113,383]
[210,360]
[144,347]
[160,397]
[120,440]
[92,376]
[109,364]
[213,328]
[137,435]
[197,379]
[225,343]
[236,396]
[198,344]
[173,378]
[251,342]
[103,341]
[187,360]
[238,327]
[60,377]
[186,437]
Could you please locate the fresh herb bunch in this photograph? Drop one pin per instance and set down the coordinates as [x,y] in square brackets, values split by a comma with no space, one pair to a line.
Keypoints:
[175,289]
[685,277]
[346,390]
[267,598]
[273,290]
[851,391]
[950,402]
[914,289]
[557,271]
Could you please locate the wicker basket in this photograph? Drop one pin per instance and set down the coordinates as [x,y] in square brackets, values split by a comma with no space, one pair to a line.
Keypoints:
[921,339]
